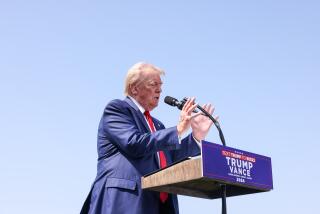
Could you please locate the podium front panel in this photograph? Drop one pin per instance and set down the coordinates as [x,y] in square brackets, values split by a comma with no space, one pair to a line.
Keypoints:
[236,167]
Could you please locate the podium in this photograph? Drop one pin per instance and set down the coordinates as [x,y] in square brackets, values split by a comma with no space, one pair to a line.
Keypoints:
[241,172]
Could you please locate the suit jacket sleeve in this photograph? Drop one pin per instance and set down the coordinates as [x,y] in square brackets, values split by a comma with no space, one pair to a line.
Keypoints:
[189,148]
[120,125]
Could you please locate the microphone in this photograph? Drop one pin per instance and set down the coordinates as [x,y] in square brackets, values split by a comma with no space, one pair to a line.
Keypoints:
[174,102]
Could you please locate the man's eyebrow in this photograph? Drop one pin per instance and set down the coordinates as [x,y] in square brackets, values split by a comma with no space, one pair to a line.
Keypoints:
[154,81]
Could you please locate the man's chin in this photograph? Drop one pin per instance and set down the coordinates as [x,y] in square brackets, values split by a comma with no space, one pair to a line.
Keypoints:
[153,106]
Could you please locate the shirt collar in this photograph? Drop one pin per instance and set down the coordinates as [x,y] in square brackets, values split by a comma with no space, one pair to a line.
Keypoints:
[137,104]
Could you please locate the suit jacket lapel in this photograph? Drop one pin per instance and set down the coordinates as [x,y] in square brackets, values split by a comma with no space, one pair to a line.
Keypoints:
[139,113]
[144,122]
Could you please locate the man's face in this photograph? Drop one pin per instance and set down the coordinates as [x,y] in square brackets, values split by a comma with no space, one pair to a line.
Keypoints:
[148,92]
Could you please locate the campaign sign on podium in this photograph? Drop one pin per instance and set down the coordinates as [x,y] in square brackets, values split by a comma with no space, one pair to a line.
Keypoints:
[242,172]
[235,166]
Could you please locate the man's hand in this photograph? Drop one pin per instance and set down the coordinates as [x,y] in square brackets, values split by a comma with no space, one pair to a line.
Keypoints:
[185,116]
[201,124]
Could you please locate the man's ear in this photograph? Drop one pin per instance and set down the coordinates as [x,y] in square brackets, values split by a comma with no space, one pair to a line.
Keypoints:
[133,89]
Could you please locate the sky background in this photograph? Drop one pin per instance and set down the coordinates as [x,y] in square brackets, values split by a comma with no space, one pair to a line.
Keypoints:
[61,62]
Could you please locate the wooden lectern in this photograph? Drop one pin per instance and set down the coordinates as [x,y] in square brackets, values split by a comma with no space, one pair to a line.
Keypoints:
[242,172]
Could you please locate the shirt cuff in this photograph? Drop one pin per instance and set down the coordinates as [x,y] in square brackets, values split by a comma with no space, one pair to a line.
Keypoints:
[179,139]
[198,142]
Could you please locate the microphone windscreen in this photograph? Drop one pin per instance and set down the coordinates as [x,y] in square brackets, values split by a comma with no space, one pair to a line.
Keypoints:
[170,101]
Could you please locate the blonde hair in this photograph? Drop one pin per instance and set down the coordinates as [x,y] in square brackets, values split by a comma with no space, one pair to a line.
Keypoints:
[136,73]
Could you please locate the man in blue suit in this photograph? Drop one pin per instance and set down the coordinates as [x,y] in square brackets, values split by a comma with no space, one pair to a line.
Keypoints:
[131,144]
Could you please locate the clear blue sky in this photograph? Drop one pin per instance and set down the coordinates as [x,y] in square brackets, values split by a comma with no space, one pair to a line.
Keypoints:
[62,61]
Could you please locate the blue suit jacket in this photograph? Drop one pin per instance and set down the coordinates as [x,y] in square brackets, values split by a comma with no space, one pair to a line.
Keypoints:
[127,150]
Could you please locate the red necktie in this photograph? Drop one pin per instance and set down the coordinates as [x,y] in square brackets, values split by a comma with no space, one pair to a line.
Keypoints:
[162,157]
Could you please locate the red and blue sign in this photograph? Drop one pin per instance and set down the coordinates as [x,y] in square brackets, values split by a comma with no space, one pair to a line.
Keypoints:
[236,166]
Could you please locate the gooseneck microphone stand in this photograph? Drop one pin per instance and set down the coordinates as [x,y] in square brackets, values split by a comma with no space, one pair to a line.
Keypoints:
[174,102]
[223,186]
[215,122]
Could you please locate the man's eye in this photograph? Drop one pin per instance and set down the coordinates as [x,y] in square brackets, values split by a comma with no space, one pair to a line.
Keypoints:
[154,84]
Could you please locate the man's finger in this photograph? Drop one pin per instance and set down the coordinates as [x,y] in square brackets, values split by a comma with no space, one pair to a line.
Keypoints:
[190,104]
[211,110]
[195,115]
[190,110]
[186,104]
